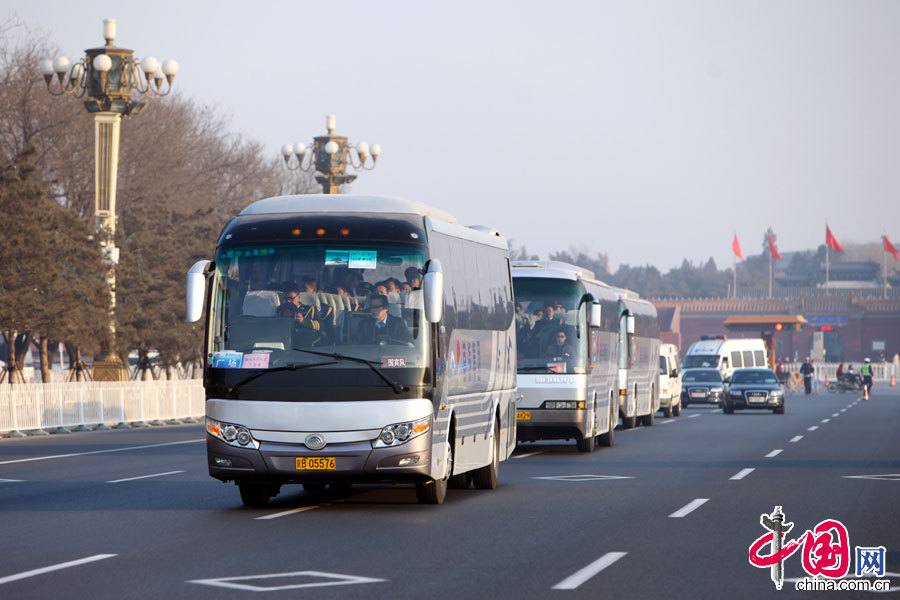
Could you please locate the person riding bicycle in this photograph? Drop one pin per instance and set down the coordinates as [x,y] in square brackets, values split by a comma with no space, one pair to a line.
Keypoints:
[866,372]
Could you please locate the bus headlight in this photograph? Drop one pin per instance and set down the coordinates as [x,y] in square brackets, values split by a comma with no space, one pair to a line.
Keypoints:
[233,435]
[400,433]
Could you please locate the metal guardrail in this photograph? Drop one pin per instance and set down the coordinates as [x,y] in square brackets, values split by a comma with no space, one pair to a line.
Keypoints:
[64,406]
[880,371]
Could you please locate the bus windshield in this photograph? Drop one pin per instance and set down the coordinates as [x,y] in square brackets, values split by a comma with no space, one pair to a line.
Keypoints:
[693,361]
[550,326]
[273,304]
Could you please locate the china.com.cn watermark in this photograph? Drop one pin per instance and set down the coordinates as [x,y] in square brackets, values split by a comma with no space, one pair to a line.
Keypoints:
[824,553]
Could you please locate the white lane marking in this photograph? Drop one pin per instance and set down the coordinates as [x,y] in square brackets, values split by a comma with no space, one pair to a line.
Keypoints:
[693,415]
[527,454]
[582,477]
[11,480]
[741,474]
[796,438]
[885,477]
[774,453]
[580,576]
[285,513]
[688,508]
[843,410]
[330,579]
[835,414]
[813,428]
[145,476]
[666,421]
[824,420]
[51,568]
[34,458]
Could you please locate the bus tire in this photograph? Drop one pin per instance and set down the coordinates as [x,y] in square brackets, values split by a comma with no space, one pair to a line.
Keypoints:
[629,422]
[608,439]
[487,477]
[676,410]
[585,444]
[669,411]
[649,419]
[255,495]
[463,481]
[433,491]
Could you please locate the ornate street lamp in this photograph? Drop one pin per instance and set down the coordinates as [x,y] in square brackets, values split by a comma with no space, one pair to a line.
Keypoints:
[112,82]
[331,155]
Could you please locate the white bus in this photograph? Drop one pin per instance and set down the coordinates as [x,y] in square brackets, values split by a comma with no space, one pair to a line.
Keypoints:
[638,360]
[356,339]
[567,330]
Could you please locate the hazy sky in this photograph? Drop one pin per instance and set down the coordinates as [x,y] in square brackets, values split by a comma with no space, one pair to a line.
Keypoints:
[649,130]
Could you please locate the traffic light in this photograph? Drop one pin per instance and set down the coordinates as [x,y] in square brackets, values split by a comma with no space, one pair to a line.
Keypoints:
[826,328]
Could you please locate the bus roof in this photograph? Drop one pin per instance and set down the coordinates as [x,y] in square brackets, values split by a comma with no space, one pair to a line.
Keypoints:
[338,203]
[555,269]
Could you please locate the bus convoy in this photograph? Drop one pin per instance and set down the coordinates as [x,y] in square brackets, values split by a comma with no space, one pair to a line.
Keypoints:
[358,339]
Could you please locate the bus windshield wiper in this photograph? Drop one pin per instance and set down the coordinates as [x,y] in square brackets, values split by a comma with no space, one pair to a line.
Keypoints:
[290,367]
[397,387]
[536,369]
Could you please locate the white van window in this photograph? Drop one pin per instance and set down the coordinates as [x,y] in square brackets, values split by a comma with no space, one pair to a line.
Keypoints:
[736,360]
[692,361]
[760,358]
[748,358]
[663,366]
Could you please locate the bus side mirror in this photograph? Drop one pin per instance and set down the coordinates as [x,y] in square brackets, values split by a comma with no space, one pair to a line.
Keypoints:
[674,373]
[629,324]
[596,315]
[433,291]
[196,290]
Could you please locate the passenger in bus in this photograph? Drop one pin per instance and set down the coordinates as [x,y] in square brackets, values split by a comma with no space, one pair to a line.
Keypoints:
[384,328]
[310,285]
[310,325]
[393,290]
[413,277]
[560,347]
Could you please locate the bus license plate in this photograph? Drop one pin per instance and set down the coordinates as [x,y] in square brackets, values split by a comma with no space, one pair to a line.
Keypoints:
[523,415]
[316,463]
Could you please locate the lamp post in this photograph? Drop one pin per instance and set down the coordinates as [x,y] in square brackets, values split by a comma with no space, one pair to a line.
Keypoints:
[331,155]
[112,82]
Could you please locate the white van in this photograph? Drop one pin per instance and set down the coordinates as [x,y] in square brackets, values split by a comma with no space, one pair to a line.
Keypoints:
[726,355]
[669,380]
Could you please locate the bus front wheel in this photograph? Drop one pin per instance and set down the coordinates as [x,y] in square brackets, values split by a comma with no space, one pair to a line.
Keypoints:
[433,491]
[487,477]
[255,495]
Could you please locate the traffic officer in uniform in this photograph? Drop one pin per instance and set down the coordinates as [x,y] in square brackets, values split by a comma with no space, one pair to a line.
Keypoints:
[865,371]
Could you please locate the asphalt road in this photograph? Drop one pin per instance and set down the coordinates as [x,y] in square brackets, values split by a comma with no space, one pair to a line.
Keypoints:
[75,523]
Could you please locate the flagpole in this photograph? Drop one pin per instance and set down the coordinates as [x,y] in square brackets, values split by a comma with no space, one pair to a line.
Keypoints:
[734,274]
[827,266]
[771,276]
[883,269]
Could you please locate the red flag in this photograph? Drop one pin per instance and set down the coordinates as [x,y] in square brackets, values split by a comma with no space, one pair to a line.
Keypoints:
[889,247]
[773,251]
[832,241]
[736,248]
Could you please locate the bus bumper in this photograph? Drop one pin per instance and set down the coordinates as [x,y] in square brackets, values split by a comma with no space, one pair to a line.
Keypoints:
[545,424]
[354,462]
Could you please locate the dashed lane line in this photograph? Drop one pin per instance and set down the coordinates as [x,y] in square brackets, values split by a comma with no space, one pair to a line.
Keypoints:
[835,414]
[123,449]
[688,508]
[813,428]
[51,568]
[796,439]
[741,474]
[145,476]
[824,420]
[578,577]
[11,480]
[693,415]
[666,421]
[285,513]
[774,453]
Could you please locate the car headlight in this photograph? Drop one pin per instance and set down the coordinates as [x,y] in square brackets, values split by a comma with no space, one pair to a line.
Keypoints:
[234,435]
[400,433]
[563,404]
